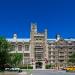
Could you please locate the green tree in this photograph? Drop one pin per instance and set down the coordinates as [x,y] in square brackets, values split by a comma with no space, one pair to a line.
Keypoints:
[72,59]
[4,52]
[15,59]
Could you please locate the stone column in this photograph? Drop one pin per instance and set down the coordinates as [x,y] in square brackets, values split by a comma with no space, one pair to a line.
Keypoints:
[16,47]
[43,65]
[34,67]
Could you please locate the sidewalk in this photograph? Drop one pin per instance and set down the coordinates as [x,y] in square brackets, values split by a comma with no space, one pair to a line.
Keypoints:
[23,73]
[13,73]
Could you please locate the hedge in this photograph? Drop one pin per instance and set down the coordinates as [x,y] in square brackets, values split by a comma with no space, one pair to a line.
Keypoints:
[48,66]
[26,67]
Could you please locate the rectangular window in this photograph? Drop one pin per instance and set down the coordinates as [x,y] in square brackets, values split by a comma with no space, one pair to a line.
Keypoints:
[13,47]
[26,54]
[19,47]
[26,60]
[26,47]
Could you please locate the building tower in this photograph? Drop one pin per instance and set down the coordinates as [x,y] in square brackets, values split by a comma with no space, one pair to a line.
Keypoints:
[32,33]
[38,46]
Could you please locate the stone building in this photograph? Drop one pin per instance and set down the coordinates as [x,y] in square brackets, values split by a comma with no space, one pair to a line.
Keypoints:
[38,50]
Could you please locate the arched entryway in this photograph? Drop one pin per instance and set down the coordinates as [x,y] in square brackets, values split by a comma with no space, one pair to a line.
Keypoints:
[38,65]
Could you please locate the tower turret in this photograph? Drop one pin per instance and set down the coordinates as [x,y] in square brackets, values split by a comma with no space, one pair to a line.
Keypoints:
[15,37]
[58,37]
[34,27]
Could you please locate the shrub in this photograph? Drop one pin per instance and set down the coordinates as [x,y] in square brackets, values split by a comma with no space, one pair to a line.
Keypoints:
[30,67]
[26,67]
[48,66]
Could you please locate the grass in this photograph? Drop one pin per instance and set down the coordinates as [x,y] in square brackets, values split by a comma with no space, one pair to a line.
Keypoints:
[29,71]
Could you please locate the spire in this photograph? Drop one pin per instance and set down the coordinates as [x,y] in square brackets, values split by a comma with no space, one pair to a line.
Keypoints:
[45,33]
[34,27]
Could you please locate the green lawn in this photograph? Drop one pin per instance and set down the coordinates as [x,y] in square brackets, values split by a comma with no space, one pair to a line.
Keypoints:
[29,71]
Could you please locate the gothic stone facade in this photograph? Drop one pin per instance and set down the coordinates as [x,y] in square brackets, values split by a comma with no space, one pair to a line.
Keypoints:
[38,48]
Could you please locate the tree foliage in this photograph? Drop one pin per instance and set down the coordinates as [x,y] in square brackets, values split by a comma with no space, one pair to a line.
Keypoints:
[15,58]
[4,52]
[6,57]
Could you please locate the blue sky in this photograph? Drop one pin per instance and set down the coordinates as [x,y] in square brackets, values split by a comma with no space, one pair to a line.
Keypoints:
[58,16]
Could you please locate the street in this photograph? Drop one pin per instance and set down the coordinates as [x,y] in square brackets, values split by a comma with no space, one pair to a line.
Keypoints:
[39,72]
[47,72]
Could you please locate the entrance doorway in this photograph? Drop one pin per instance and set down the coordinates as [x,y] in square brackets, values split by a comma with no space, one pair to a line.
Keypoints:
[38,65]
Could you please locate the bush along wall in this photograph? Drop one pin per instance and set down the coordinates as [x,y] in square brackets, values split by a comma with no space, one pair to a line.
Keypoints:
[26,67]
[48,66]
